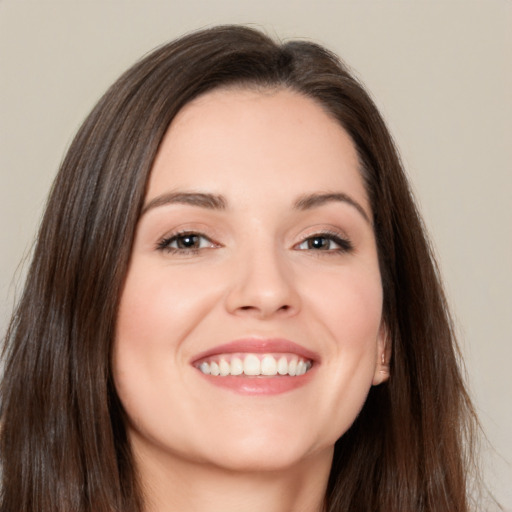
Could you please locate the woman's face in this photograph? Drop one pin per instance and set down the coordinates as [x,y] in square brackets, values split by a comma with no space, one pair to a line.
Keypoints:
[250,325]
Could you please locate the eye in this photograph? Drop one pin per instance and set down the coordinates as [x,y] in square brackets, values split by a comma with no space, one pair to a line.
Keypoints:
[185,243]
[328,242]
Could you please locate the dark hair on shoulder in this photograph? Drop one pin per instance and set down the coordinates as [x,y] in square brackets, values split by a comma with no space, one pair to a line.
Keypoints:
[63,441]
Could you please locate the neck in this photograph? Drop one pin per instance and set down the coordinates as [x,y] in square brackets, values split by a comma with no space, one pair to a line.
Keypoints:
[184,486]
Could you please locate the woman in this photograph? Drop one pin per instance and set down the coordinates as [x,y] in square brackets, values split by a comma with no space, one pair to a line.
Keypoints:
[232,303]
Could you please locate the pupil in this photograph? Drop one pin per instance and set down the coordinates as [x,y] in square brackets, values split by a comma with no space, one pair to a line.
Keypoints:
[318,243]
[187,241]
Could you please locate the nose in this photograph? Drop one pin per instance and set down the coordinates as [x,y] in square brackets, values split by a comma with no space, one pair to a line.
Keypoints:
[262,285]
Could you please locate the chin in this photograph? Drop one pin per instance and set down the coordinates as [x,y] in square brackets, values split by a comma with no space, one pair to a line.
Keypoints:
[266,450]
[267,459]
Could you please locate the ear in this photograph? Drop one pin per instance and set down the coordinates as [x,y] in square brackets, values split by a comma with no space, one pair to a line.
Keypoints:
[382,365]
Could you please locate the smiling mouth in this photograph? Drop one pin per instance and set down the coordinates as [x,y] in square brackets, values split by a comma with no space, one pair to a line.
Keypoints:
[257,366]
[254,365]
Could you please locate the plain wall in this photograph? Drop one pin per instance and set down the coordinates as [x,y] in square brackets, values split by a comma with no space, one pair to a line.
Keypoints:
[439,70]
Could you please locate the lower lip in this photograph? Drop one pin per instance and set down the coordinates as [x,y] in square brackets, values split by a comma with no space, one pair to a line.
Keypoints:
[259,385]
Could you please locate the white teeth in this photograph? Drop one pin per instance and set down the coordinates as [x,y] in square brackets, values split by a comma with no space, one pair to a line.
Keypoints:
[237,366]
[214,368]
[292,367]
[224,367]
[255,365]
[282,366]
[252,365]
[268,366]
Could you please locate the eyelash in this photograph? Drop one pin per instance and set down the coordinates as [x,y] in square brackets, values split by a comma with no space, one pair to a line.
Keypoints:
[344,244]
[165,243]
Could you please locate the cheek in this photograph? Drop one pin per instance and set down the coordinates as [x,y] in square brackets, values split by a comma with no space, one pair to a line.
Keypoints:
[350,305]
[160,307]
[157,311]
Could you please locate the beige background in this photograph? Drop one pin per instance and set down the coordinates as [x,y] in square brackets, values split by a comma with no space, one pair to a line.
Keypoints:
[439,70]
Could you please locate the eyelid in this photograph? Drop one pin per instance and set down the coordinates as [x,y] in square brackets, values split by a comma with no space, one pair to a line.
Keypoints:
[338,237]
[163,244]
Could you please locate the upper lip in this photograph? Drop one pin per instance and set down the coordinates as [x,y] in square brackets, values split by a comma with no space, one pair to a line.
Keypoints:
[259,346]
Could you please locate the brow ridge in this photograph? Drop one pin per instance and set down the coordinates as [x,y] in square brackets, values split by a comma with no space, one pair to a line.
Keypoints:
[315,200]
[200,199]
[219,202]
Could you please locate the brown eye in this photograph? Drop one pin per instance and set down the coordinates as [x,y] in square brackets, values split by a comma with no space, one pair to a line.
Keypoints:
[188,241]
[325,242]
[319,243]
[185,242]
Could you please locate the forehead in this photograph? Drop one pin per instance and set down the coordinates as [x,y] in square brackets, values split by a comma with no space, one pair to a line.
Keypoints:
[247,141]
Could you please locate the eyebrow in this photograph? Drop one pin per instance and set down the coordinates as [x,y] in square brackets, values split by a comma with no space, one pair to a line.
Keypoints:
[202,200]
[219,202]
[308,201]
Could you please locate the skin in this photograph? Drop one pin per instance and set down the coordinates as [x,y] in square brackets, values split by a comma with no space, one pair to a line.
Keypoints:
[254,275]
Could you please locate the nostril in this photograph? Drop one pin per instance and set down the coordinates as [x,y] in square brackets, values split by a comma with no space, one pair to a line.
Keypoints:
[283,308]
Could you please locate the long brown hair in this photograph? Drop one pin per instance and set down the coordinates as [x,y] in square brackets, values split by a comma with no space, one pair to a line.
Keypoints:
[63,441]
